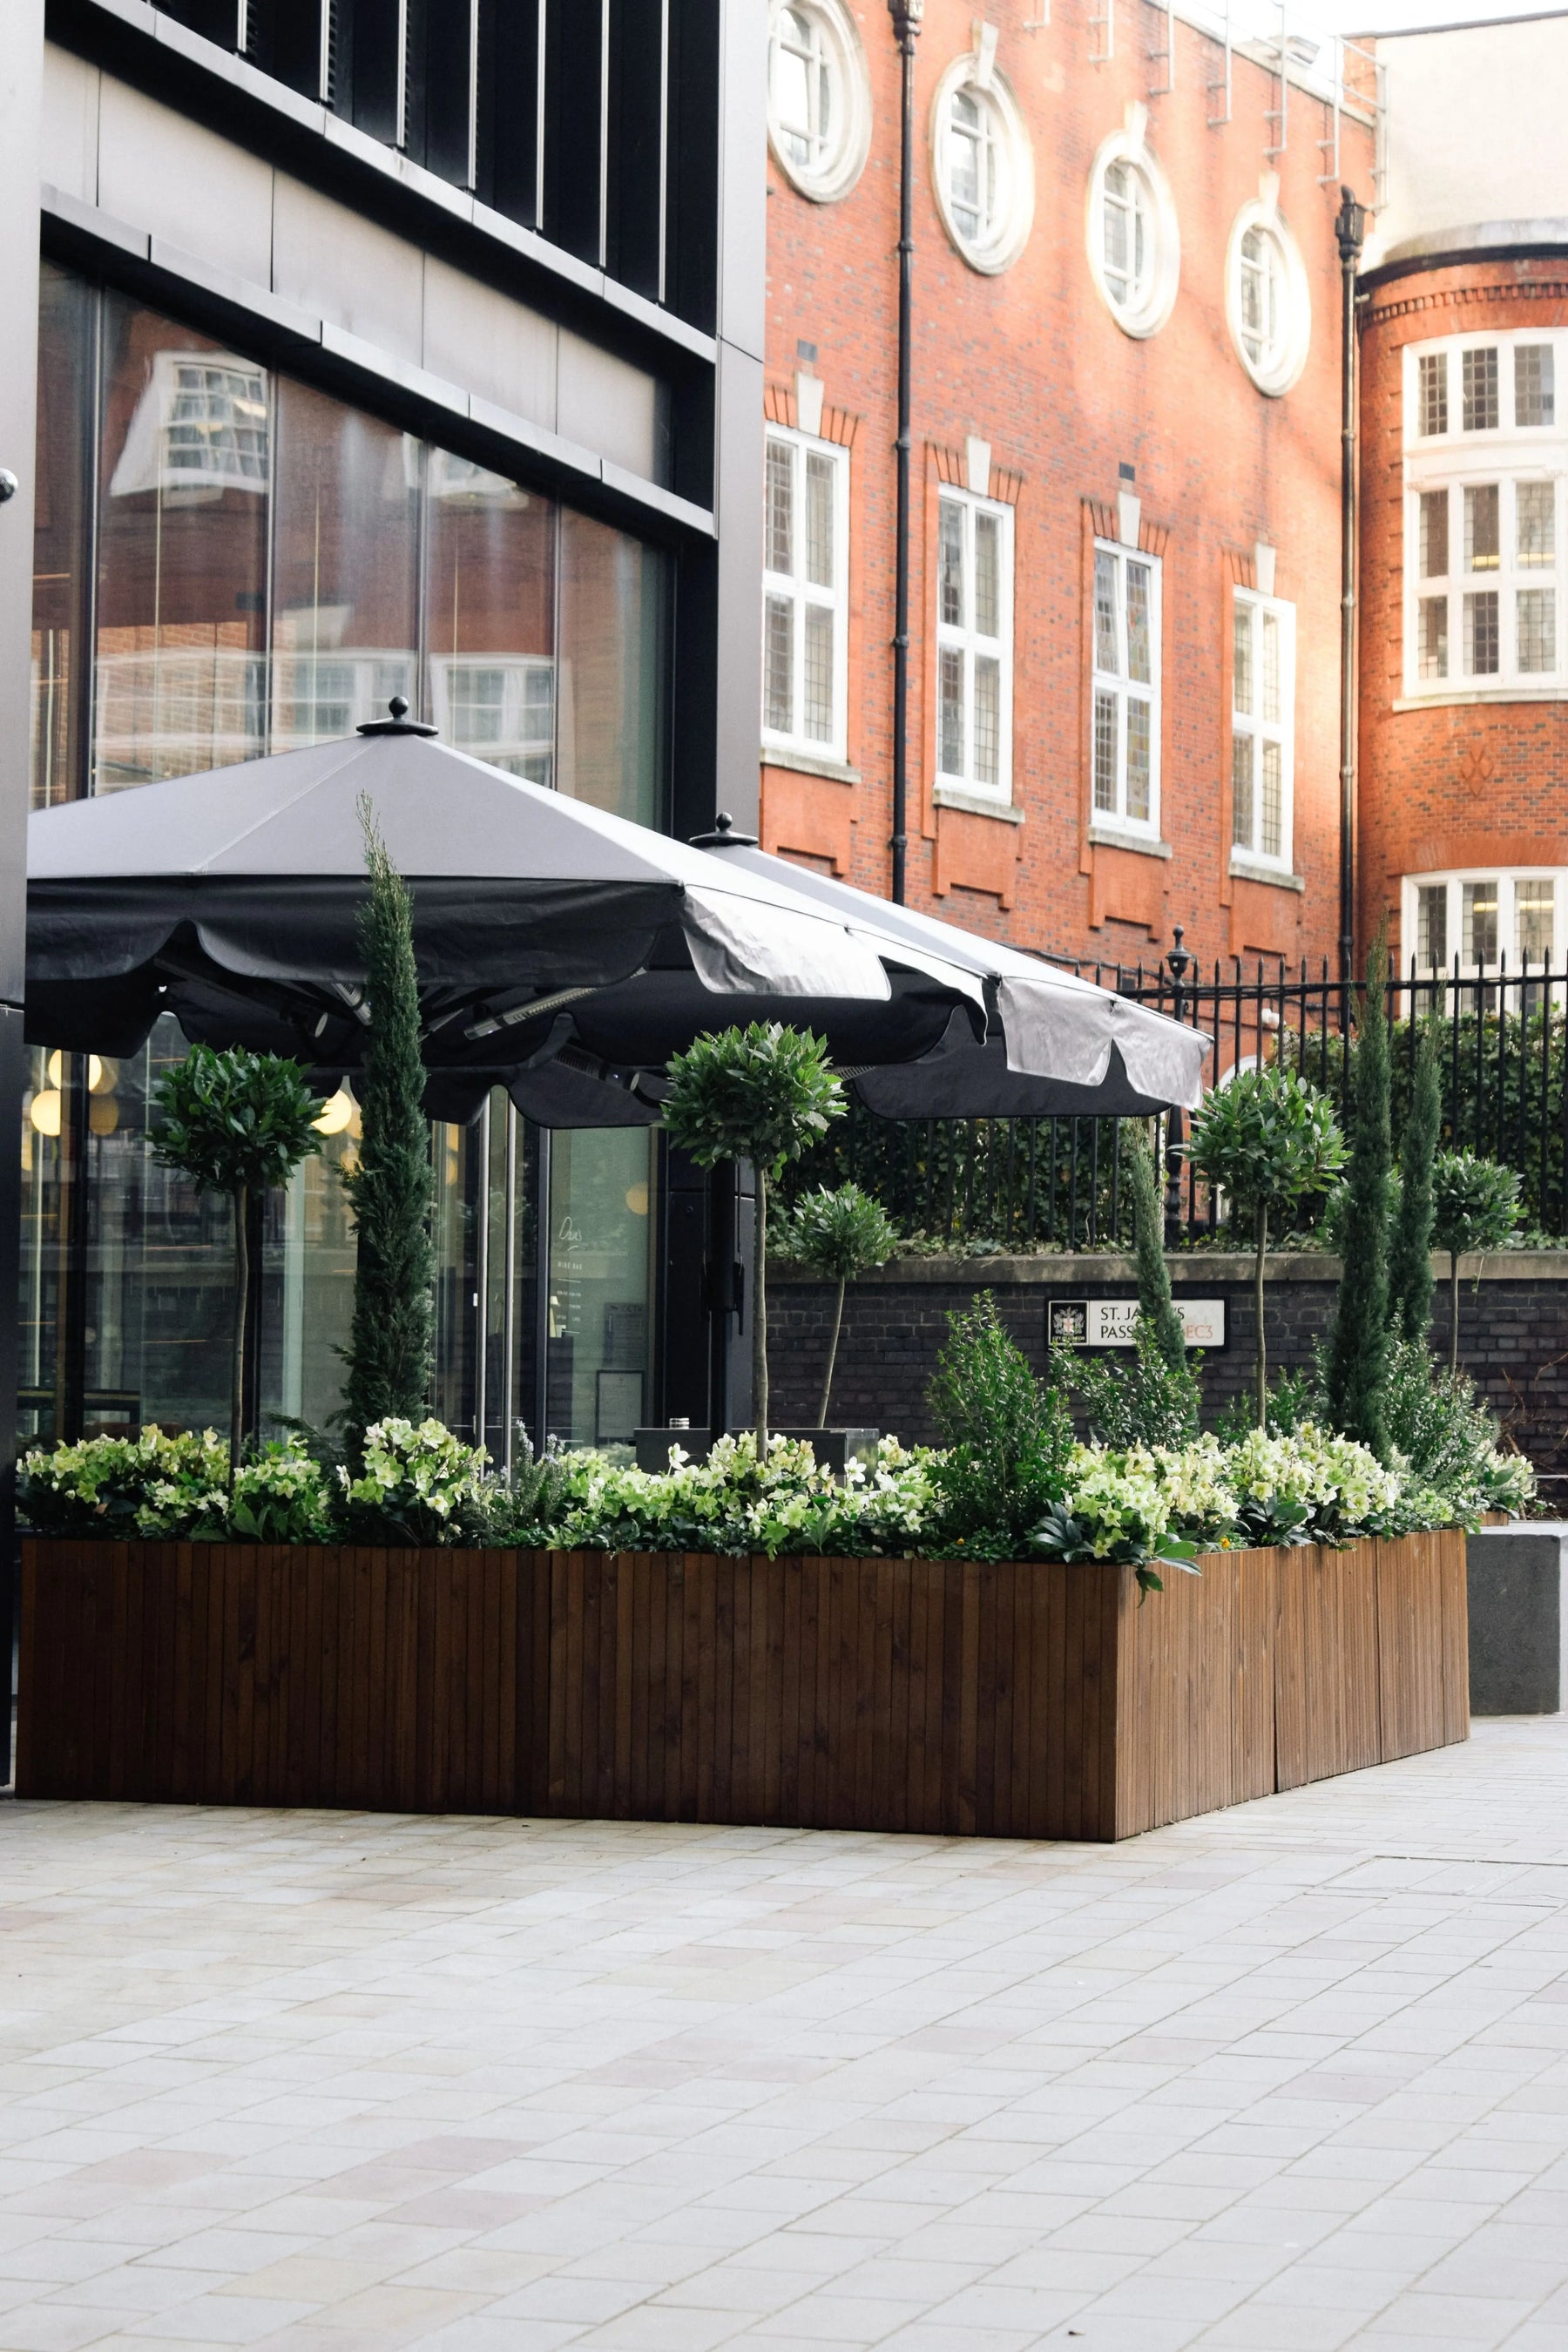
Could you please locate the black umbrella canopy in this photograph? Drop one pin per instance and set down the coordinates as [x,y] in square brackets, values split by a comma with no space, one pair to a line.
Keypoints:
[1057,1044]
[558,946]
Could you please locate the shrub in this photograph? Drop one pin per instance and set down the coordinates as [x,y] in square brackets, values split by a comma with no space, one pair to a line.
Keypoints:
[1009,1437]
[178,1487]
[391,1186]
[1146,1401]
[417,1485]
[1358,1346]
[1475,1206]
[1449,1438]
[1410,1245]
[760,1094]
[841,1235]
[1269,1139]
[737,1502]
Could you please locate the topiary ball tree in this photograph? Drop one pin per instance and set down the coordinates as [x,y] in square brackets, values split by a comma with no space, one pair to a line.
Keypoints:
[238,1123]
[1268,1139]
[840,1234]
[1475,1206]
[764,1094]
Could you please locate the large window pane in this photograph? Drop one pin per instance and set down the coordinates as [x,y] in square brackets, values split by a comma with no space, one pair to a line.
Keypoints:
[344,588]
[610,728]
[61,497]
[490,609]
[184,471]
[599,1348]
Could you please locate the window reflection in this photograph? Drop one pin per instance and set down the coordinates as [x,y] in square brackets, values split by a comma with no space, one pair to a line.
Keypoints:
[59,532]
[601,1188]
[346,540]
[182,554]
[611,716]
[490,624]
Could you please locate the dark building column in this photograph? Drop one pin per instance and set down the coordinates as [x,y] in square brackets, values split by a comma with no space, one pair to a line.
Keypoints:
[21,104]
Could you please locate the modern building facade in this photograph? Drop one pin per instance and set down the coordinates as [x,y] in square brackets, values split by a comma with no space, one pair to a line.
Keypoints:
[1464,668]
[379,351]
[1125,576]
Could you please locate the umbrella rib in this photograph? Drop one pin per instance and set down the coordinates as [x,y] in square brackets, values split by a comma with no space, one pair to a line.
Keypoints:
[541,1004]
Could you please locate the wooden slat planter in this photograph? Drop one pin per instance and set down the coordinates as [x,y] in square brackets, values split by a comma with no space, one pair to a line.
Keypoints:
[965,1699]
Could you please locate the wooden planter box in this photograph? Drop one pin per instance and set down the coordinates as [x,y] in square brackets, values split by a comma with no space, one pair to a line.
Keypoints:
[1014,1700]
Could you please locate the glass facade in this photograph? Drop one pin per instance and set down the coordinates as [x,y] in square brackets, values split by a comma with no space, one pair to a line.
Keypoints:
[257,566]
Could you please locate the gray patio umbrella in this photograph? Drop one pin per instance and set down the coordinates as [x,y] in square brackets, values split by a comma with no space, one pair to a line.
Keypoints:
[1056,1044]
[562,951]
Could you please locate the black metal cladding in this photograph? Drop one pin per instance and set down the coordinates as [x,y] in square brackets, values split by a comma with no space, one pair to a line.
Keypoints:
[594,122]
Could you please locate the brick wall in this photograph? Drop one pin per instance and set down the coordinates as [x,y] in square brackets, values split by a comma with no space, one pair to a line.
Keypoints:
[1032,362]
[1514,1333]
[1463,784]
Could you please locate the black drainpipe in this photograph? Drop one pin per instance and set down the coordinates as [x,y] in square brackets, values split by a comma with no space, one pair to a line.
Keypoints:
[906,15]
[1350,228]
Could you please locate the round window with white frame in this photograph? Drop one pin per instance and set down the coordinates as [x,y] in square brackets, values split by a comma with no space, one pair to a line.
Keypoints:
[820,97]
[1135,241]
[1267,299]
[982,168]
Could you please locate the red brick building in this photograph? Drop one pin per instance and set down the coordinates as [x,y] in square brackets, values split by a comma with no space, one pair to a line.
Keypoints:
[1125,567]
[1464,646]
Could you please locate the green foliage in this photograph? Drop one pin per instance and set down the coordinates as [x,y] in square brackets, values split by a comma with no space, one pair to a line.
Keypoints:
[390,1352]
[1009,1437]
[417,1485]
[236,1122]
[1449,1438]
[841,1234]
[233,1121]
[1145,1402]
[1410,1245]
[738,1501]
[1474,1203]
[1291,1402]
[1358,1349]
[1155,1304]
[760,1094]
[528,1507]
[1270,1140]
[157,1485]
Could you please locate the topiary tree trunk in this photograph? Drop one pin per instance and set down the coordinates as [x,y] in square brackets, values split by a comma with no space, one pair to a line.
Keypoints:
[390,1351]
[1358,1349]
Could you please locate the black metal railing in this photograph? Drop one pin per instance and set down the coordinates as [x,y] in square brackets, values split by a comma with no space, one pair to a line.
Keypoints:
[1022,1185]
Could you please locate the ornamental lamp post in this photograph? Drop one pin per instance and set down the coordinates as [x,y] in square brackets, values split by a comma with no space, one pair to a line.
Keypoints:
[1178,962]
[906,15]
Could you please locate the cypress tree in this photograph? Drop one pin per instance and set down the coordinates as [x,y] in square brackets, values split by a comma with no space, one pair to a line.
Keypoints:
[1359,1349]
[1155,1304]
[390,1351]
[1410,1251]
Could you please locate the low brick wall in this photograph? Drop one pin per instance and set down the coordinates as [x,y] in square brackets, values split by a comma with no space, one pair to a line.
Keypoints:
[1513,1331]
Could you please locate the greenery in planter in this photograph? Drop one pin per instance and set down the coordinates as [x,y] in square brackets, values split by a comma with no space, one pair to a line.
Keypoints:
[1009,1437]
[1449,1438]
[181,1487]
[1153,1400]
[762,1094]
[1269,1140]
[238,1123]
[840,1234]
[1358,1348]
[390,1352]
[1410,1243]
[1475,1206]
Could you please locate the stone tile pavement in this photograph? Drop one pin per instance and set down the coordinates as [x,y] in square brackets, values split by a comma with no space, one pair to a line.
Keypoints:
[1291,2077]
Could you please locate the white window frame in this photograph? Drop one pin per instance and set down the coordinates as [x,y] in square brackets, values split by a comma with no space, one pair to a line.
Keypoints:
[801,592]
[523,742]
[1508,880]
[224,423]
[1447,464]
[1254,728]
[1116,820]
[1276,367]
[966,641]
[1003,238]
[838,56]
[1142,308]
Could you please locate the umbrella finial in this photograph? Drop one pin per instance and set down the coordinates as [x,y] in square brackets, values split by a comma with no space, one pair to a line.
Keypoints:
[723,836]
[399,723]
